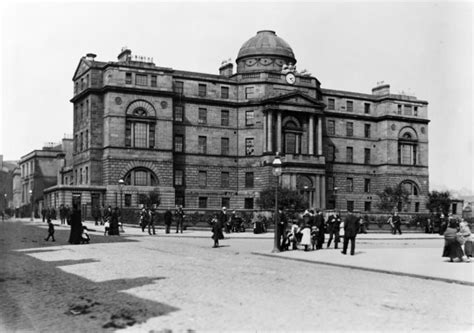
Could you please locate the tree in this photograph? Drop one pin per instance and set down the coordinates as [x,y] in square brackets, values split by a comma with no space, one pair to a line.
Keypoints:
[149,199]
[287,199]
[439,202]
[391,196]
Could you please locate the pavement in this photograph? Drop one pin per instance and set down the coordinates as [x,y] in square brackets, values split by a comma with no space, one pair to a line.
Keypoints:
[379,256]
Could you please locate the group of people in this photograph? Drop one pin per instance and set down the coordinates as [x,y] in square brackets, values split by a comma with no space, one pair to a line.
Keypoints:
[457,241]
[149,217]
[79,233]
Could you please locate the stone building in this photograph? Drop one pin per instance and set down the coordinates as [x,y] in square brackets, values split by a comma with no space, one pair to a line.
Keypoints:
[209,140]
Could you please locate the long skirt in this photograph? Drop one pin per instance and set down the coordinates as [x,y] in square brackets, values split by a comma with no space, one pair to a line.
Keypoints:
[468,248]
[452,249]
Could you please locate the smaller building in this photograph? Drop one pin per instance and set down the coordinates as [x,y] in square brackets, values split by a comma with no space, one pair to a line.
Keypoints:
[6,183]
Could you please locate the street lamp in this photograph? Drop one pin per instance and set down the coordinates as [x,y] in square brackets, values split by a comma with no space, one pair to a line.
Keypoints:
[335,198]
[277,173]
[31,203]
[121,184]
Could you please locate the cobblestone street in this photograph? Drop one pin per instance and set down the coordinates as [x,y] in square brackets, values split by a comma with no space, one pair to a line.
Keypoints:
[175,282]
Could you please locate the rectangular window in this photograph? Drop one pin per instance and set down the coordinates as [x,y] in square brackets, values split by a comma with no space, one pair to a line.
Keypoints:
[151,135]
[415,111]
[128,134]
[417,207]
[86,139]
[367,130]
[225,118]
[178,113]
[153,81]
[249,118]
[249,147]
[140,178]
[128,78]
[224,146]
[82,142]
[178,177]
[128,200]
[86,175]
[290,143]
[80,175]
[178,143]
[225,92]
[366,155]
[349,128]
[331,127]
[141,80]
[225,202]
[331,153]
[350,205]
[202,178]
[366,108]
[202,143]
[248,92]
[367,185]
[455,209]
[399,110]
[202,90]
[179,200]
[224,179]
[367,206]
[140,131]
[178,87]
[202,116]
[350,184]
[330,183]
[350,106]
[202,202]
[407,154]
[349,155]
[407,110]
[331,103]
[248,203]
[249,179]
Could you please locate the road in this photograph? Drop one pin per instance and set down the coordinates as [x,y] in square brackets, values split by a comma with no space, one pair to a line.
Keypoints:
[157,283]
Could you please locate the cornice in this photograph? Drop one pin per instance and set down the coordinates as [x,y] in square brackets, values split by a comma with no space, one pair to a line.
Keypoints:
[375,118]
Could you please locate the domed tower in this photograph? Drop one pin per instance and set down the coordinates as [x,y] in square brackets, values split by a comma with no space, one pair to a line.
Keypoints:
[264,52]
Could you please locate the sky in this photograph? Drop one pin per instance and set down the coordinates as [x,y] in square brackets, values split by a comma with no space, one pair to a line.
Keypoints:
[423,49]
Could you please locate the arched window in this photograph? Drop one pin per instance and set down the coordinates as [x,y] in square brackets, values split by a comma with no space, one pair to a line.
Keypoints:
[410,187]
[407,147]
[140,125]
[141,177]
[292,137]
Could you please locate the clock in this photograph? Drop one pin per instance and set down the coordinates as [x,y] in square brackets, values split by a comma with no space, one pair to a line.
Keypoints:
[290,78]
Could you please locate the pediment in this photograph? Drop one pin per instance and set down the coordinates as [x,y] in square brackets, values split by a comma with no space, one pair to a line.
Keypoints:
[82,67]
[294,98]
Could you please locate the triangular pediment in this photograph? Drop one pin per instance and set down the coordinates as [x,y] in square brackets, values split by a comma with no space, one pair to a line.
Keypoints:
[82,67]
[294,97]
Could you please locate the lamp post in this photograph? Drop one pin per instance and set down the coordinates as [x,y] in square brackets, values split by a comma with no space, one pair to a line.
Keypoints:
[335,198]
[277,173]
[31,203]
[121,183]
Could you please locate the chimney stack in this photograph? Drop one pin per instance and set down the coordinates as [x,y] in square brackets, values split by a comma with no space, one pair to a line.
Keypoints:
[90,56]
[227,69]
[381,90]
[125,54]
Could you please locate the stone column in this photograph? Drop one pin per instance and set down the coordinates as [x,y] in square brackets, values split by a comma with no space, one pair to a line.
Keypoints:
[269,131]
[293,181]
[265,132]
[317,192]
[310,135]
[323,192]
[320,136]
[278,132]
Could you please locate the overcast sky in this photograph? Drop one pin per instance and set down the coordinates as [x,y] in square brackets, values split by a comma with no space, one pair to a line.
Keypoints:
[423,49]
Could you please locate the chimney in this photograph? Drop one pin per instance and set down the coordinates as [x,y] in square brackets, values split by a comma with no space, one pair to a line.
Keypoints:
[226,69]
[125,54]
[381,90]
[90,56]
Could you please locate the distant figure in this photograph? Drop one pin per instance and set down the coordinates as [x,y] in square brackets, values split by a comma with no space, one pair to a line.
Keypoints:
[114,223]
[50,231]
[305,236]
[351,226]
[319,223]
[144,218]
[106,228]
[179,213]
[151,223]
[467,236]
[334,223]
[168,220]
[216,231]
[85,235]
[452,245]
[76,225]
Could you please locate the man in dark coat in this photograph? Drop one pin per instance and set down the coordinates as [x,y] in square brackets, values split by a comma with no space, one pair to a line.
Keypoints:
[168,220]
[319,223]
[114,223]
[397,222]
[282,225]
[223,217]
[351,226]
[334,223]
[179,219]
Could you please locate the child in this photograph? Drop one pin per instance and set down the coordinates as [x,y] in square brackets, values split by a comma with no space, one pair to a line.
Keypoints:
[50,230]
[314,237]
[106,227]
[85,235]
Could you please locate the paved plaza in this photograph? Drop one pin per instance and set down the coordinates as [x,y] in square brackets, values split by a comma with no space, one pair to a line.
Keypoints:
[142,283]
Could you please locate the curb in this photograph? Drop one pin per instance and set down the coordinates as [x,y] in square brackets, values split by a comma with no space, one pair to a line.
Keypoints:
[375,270]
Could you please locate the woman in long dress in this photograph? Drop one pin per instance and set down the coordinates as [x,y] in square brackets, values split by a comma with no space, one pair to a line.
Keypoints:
[306,236]
[76,226]
[466,234]
[452,247]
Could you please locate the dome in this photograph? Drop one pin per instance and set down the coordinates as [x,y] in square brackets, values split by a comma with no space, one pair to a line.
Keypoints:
[266,42]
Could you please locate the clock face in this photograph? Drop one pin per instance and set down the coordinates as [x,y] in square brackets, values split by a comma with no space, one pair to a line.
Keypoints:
[290,78]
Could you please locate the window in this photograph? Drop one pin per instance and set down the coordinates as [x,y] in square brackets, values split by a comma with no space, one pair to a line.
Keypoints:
[202,90]
[178,87]
[178,113]
[128,78]
[407,110]
[417,207]
[202,143]
[331,103]
[76,143]
[139,133]
[399,206]
[367,206]
[225,92]
[331,154]
[366,155]
[225,202]
[202,117]
[367,130]
[153,81]
[331,127]
[86,175]
[415,111]
[178,177]
[249,118]
[225,118]
[248,203]
[80,175]
[128,200]
[330,183]
[86,140]
[82,142]
[224,146]
[349,155]
[179,200]
[248,92]
[178,143]
[399,111]
[141,177]
[290,143]
[350,106]
[249,179]
[366,185]
[202,202]
[349,128]
[350,184]
[350,205]
[407,150]
[141,80]
[202,178]
[410,187]
[249,147]
[366,108]
[224,179]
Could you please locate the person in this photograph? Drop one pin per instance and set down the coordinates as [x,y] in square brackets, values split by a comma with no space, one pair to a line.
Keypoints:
[217,234]
[466,234]
[43,213]
[234,224]
[85,239]
[144,216]
[106,227]
[151,223]
[223,218]
[293,236]
[443,224]
[351,226]
[452,246]
[168,220]
[68,214]
[50,231]
[62,214]
[282,225]
[362,226]
[305,236]
[76,225]
[319,223]
[114,223]
[334,223]
[397,223]
[314,237]
[179,213]
[97,215]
